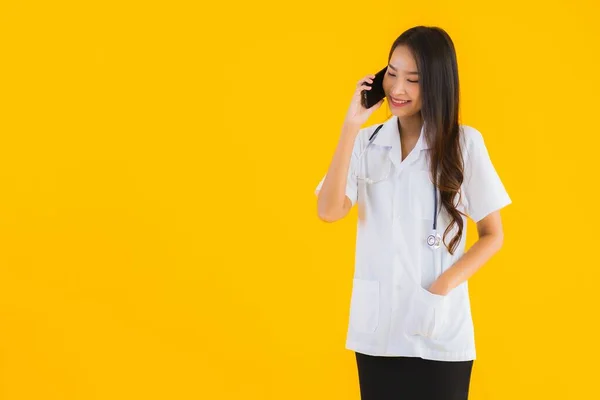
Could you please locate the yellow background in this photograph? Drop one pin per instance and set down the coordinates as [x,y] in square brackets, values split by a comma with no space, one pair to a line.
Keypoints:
[158,228]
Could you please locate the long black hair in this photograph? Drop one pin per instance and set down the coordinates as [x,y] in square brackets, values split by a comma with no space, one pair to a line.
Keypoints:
[435,57]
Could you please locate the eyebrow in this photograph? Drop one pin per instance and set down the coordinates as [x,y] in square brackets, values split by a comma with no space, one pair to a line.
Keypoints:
[407,73]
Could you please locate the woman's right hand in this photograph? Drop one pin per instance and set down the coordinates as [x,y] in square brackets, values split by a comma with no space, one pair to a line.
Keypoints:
[357,115]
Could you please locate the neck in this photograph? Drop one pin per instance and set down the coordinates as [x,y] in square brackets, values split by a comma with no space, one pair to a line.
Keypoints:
[410,127]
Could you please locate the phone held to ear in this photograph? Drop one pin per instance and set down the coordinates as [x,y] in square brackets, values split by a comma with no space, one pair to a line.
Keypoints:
[371,97]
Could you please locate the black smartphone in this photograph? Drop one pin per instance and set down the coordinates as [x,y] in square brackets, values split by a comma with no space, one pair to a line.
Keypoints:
[370,97]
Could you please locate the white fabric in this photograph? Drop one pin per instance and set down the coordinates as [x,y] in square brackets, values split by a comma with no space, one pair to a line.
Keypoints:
[391,311]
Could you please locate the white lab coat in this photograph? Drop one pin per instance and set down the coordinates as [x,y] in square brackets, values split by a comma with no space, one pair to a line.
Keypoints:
[391,311]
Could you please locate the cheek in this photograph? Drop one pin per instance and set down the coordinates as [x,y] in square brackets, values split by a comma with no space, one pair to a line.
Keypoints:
[415,94]
[386,85]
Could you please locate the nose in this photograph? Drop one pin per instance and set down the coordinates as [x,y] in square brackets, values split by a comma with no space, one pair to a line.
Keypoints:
[397,89]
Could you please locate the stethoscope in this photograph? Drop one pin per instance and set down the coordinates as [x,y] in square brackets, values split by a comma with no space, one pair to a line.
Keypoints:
[434,239]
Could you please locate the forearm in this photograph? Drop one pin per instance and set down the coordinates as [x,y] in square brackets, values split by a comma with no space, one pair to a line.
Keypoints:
[470,262]
[332,194]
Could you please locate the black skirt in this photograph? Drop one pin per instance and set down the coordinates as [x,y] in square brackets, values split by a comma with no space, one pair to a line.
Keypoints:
[412,378]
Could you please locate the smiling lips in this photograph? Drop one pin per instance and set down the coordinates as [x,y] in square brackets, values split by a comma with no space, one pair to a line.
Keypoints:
[399,103]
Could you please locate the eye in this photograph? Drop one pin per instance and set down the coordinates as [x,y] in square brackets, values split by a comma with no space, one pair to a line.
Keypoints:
[390,74]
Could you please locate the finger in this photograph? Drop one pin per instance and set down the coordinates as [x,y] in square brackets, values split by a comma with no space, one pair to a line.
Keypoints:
[366,79]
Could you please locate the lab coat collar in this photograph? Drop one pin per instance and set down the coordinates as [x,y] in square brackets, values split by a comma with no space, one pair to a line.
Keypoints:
[389,135]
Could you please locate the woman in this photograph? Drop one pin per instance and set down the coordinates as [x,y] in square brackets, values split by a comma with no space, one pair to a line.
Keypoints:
[410,320]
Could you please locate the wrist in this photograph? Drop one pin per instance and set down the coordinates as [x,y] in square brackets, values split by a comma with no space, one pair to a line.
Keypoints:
[350,129]
[441,286]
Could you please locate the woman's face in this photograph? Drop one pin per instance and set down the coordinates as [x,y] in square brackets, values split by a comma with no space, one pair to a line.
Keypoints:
[401,83]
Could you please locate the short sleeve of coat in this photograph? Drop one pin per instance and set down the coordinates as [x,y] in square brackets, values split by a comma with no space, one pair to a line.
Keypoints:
[484,191]
[351,181]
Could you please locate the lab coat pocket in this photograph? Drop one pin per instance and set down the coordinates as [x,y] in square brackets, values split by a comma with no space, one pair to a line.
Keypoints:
[426,314]
[364,305]
[421,200]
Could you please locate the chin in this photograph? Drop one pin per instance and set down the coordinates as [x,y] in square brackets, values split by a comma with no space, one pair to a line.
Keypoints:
[403,112]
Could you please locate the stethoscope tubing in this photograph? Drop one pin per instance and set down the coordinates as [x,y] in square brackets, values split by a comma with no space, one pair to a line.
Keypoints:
[433,240]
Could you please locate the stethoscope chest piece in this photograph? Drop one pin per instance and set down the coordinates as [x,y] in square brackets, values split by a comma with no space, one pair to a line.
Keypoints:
[434,240]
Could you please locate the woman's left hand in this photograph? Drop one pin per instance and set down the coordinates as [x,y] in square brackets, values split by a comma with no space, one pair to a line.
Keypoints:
[438,287]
